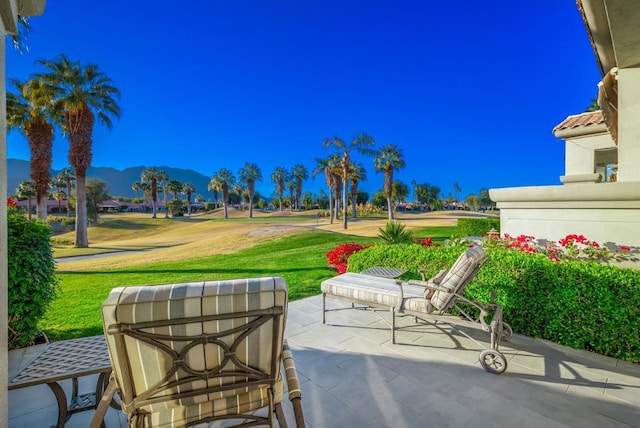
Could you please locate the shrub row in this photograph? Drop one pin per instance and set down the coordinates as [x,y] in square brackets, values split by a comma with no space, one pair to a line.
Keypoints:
[32,281]
[581,304]
[477,226]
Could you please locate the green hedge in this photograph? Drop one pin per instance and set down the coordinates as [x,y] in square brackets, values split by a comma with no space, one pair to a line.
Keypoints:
[32,281]
[582,304]
[478,226]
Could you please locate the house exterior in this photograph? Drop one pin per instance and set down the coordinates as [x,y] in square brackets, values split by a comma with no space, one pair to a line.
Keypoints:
[600,192]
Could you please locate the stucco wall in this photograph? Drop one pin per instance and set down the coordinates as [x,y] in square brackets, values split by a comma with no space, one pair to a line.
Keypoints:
[629,124]
[604,212]
[580,153]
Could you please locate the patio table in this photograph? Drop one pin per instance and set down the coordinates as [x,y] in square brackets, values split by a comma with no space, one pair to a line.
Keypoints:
[68,359]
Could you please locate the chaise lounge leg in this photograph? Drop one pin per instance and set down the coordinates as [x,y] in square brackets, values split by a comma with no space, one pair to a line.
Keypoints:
[324,299]
[393,326]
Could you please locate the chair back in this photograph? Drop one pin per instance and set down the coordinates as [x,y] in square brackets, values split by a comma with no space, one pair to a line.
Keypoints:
[458,277]
[177,345]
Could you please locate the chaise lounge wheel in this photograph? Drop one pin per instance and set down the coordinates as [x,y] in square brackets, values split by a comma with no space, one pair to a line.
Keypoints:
[507,332]
[493,361]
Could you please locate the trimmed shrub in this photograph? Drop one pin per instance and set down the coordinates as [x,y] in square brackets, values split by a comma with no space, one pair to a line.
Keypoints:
[32,281]
[581,304]
[477,226]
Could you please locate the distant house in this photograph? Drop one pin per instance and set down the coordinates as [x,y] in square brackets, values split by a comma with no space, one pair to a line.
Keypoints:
[112,206]
[54,207]
[600,192]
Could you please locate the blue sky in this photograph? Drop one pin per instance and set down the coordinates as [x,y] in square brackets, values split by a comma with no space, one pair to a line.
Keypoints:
[470,91]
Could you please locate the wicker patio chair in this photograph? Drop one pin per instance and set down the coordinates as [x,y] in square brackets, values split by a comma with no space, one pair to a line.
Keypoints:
[195,352]
[429,300]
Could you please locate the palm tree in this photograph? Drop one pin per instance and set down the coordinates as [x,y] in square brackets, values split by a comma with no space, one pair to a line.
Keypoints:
[146,193]
[388,159]
[223,179]
[150,175]
[68,177]
[278,177]
[163,177]
[214,187]
[363,143]
[594,106]
[59,194]
[188,189]
[26,190]
[175,187]
[357,173]
[299,174]
[238,189]
[249,174]
[291,185]
[136,187]
[457,190]
[328,166]
[84,93]
[31,110]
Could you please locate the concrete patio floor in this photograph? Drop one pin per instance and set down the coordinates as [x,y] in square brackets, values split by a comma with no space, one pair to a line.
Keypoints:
[352,376]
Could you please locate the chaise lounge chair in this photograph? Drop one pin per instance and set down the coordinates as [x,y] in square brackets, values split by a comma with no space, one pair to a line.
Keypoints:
[430,300]
[196,352]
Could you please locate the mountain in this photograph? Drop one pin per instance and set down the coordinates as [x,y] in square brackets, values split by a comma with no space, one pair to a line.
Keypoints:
[119,181]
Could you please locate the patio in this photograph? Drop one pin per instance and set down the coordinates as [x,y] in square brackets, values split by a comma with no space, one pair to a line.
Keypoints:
[353,376]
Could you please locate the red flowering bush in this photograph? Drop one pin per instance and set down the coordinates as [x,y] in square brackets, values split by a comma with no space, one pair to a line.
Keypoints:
[12,203]
[339,256]
[571,247]
[426,242]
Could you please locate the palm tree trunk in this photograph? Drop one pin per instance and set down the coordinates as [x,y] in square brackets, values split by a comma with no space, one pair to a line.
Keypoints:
[68,198]
[81,240]
[389,208]
[330,205]
[41,208]
[225,201]
[344,202]
[250,203]
[29,208]
[40,136]
[354,200]
[166,196]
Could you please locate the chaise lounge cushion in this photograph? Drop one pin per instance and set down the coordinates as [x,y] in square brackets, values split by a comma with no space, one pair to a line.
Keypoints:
[370,289]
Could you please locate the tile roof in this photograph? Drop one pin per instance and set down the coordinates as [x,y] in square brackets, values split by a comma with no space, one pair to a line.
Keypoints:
[580,120]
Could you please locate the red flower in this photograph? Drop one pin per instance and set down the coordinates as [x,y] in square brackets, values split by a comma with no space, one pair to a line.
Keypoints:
[339,256]
[624,248]
[12,203]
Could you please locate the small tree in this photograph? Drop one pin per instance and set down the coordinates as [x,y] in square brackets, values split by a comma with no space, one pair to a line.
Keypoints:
[27,191]
[175,206]
[97,193]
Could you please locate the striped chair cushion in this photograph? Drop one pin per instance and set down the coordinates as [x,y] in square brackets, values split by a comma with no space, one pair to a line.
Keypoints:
[236,405]
[148,364]
[461,273]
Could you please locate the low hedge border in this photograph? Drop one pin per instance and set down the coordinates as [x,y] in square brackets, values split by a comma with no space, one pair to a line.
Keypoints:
[477,226]
[581,304]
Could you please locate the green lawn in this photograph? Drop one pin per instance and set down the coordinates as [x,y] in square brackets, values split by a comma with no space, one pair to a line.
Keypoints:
[439,233]
[299,258]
